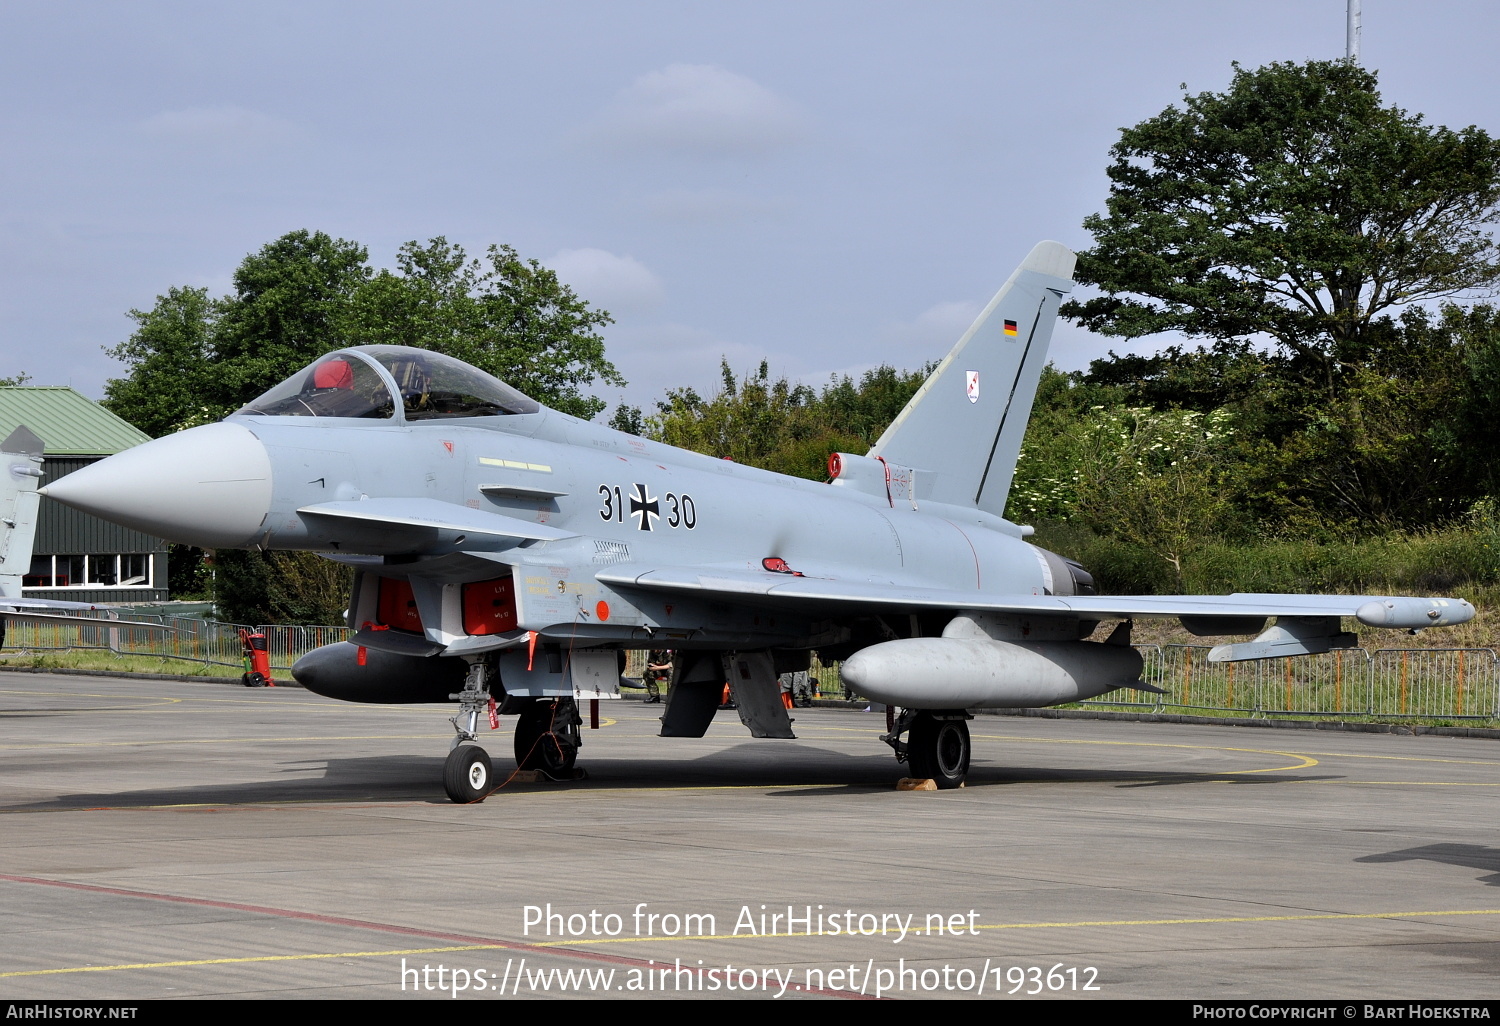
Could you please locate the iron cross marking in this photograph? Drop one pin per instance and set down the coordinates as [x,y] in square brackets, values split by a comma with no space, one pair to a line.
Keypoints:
[643,507]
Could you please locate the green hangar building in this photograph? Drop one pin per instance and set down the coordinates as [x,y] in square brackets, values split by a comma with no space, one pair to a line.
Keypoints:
[76,556]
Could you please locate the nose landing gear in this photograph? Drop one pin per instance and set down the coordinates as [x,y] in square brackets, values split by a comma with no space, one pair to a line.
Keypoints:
[467,773]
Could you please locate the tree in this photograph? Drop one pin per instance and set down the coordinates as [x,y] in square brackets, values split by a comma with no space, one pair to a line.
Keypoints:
[1161,480]
[194,359]
[505,315]
[1293,205]
[279,587]
[170,382]
[1408,442]
[778,425]
[1202,379]
[290,305]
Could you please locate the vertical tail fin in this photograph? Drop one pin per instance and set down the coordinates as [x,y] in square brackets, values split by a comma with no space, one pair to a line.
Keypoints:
[962,431]
[20,469]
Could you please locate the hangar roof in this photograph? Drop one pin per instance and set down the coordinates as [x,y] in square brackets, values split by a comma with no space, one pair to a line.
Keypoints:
[71,424]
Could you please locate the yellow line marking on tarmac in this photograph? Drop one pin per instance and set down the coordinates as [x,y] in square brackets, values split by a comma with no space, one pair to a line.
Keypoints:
[1410,783]
[1149,744]
[312,701]
[1220,920]
[1152,744]
[223,741]
[1306,763]
[347,803]
[253,958]
[308,699]
[243,740]
[161,699]
[341,707]
[1210,921]
[1410,758]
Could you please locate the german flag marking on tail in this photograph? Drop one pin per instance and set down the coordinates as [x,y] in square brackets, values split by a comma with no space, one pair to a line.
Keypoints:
[1010,327]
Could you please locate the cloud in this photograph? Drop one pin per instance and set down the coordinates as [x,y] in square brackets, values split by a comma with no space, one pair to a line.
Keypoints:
[699,108]
[619,284]
[204,123]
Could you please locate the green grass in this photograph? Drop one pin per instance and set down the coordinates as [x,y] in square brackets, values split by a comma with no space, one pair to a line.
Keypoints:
[97,660]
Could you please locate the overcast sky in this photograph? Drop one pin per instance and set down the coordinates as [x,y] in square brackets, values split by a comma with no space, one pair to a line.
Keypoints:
[827,186]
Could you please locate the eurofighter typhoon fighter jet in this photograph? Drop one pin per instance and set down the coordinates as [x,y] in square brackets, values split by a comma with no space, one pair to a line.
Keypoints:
[507,555]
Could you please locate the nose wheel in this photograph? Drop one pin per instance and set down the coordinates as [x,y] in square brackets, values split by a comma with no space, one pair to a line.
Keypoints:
[467,774]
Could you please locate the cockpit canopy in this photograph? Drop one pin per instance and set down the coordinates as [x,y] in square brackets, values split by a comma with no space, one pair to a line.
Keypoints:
[361,381]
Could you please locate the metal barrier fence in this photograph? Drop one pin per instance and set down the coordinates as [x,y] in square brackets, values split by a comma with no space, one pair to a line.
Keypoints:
[1429,683]
[195,641]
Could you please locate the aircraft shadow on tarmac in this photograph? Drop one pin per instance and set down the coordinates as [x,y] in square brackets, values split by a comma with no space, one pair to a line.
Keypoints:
[1469,856]
[804,770]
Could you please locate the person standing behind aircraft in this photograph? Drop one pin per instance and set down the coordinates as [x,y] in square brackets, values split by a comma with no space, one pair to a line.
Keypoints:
[658,672]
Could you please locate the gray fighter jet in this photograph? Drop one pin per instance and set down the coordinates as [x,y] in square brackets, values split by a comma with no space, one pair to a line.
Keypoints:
[508,555]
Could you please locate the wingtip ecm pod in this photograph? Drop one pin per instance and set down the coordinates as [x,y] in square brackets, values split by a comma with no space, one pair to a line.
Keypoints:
[962,430]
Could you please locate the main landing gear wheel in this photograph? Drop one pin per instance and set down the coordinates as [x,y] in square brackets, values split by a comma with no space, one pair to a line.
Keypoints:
[547,736]
[467,774]
[938,748]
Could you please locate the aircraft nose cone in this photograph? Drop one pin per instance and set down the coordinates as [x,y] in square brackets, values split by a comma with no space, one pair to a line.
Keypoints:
[208,486]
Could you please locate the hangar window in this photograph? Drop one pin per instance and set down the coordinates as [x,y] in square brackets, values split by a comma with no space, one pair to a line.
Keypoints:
[128,570]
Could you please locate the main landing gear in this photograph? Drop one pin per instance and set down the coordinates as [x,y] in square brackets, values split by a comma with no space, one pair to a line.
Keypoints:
[547,736]
[937,743]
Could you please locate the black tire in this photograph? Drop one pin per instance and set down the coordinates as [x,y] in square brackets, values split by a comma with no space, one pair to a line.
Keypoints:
[938,750]
[547,737]
[467,774]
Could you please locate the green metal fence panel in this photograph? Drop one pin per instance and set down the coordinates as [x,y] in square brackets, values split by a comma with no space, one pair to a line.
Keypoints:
[286,644]
[1331,683]
[1439,683]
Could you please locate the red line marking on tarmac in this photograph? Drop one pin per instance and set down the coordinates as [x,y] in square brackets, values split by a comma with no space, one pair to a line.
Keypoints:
[366,924]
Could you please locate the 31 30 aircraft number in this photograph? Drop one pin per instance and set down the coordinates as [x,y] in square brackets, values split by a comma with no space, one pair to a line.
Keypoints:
[672,509]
